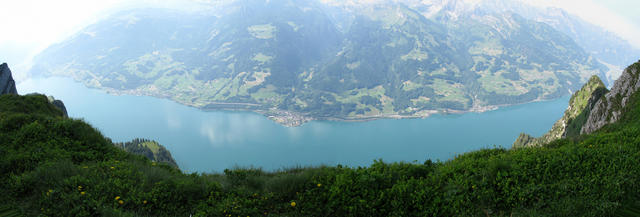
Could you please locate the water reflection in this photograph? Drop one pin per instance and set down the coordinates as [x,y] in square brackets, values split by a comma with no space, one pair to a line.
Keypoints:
[202,141]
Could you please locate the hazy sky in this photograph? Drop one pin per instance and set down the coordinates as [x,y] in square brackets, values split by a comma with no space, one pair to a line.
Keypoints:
[29,26]
[618,16]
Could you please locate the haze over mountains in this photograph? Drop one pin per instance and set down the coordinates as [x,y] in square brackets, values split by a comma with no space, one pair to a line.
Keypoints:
[300,60]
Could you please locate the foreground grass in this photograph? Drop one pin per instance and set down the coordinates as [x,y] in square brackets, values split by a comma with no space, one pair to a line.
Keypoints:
[54,166]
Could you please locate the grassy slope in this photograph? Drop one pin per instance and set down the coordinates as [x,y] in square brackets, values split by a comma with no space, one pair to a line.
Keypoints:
[63,167]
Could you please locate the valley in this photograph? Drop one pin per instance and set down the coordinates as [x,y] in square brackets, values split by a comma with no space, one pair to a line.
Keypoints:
[320,108]
[69,168]
[320,60]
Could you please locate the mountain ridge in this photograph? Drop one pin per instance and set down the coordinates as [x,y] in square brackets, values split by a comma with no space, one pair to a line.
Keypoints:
[610,107]
[300,62]
[590,108]
[570,124]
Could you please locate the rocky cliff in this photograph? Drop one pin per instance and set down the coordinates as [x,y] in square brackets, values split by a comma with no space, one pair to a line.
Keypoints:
[7,84]
[580,106]
[609,108]
[591,108]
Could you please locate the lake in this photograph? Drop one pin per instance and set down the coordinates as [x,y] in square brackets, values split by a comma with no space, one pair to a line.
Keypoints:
[211,141]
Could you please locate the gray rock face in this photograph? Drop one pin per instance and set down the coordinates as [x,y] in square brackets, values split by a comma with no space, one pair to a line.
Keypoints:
[58,104]
[7,84]
[580,106]
[609,108]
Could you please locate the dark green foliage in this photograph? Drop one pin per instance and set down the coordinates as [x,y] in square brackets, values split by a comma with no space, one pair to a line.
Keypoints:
[29,104]
[54,166]
[8,211]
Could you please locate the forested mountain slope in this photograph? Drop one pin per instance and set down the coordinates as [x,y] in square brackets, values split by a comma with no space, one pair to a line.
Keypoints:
[302,60]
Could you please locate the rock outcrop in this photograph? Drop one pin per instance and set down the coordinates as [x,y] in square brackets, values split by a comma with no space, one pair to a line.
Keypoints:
[580,106]
[58,104]
[150,149]
[610,107]
[7,84]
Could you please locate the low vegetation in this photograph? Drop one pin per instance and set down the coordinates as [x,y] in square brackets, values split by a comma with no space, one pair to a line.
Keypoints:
[55,166]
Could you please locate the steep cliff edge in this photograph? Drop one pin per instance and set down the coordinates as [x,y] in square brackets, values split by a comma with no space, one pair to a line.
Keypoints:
[609,108]
[7,84]
[580,106]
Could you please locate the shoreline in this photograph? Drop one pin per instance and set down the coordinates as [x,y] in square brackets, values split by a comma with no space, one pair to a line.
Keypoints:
[294,119]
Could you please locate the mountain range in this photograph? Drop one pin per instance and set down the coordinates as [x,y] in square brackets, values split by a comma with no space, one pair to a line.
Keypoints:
[296,61]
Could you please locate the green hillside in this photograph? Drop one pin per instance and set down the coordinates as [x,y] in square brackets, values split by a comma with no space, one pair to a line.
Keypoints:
[301,60]
[55,166]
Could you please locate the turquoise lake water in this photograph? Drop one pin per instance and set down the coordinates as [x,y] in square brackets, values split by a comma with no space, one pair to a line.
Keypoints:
[210,141]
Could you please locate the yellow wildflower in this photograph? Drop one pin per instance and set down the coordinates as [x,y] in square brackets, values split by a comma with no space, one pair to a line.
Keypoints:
[50,190]
[319,185]
[293,204]
[117,197]
[120,202]
[79,187]
[112,168]
[144,202]
[82,193]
